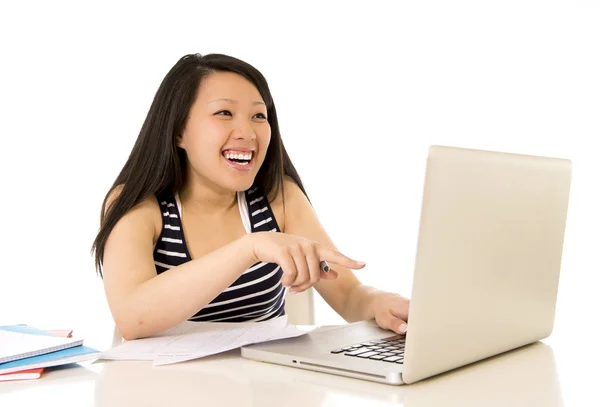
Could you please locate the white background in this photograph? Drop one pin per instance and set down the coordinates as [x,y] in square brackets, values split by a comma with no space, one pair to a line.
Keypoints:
[362,89]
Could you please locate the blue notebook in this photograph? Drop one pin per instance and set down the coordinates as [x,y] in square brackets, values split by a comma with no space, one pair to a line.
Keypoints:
[61,357]
[25,329]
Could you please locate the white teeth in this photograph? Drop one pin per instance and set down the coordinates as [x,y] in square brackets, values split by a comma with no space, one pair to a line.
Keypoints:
[236,156]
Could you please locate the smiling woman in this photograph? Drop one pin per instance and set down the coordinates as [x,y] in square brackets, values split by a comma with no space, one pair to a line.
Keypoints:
[208,219]
[233,131]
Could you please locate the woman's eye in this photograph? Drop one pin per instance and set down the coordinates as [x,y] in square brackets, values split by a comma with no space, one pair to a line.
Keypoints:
[223,113]
[260,116]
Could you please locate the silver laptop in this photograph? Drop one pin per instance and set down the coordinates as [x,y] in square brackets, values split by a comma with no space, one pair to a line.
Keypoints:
[485,280]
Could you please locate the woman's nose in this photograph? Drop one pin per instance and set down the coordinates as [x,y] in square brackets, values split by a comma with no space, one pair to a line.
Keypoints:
[244,131]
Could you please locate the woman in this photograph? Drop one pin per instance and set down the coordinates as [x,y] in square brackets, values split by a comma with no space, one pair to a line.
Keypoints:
[208,219]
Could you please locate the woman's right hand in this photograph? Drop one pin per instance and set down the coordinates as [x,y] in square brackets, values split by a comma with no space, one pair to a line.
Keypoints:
[299,258]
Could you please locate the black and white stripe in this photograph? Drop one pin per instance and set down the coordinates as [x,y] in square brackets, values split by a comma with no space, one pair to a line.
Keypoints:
[257,295]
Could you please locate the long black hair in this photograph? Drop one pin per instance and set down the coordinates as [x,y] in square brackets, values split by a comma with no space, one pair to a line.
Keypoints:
[156,164]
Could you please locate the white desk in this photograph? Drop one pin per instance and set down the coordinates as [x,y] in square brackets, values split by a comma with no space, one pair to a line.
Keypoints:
[538,375]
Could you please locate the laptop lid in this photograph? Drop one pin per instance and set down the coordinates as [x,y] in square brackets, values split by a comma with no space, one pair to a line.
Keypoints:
[488,256]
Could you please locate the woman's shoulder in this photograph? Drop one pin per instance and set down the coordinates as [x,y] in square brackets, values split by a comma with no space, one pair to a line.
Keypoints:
[146,212]
[148,203]
[289,199]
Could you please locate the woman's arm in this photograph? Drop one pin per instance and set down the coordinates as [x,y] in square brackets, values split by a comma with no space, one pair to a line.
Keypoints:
[352,300]
[143,303]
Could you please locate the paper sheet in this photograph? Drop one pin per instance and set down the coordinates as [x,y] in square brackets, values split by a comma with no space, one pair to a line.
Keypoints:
[193,340]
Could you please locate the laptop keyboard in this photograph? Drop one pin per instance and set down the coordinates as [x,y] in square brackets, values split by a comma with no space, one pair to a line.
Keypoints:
[390,350]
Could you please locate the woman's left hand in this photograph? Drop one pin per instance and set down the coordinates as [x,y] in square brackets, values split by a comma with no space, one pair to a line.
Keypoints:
[391,311]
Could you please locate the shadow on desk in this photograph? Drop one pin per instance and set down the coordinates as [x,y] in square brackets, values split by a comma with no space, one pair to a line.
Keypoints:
[71,375]
[524,377]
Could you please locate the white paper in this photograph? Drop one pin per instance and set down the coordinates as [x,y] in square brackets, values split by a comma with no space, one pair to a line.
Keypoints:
[193,340]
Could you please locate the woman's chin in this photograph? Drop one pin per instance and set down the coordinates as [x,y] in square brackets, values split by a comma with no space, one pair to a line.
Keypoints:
[240,185]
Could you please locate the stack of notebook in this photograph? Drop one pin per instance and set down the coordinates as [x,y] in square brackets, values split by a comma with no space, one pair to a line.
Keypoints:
[25,351]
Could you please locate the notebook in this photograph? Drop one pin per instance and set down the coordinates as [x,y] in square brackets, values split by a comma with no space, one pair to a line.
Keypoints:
[22,341]
[74,354]
[28,374]
[32,374]
[62,357]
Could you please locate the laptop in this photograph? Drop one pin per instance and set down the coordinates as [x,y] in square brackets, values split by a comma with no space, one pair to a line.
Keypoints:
[485,280]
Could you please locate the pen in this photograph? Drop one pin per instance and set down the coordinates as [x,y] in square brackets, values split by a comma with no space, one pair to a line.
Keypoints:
[325,267]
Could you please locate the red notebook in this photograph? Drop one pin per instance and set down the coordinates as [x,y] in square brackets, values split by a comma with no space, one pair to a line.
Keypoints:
[34,373]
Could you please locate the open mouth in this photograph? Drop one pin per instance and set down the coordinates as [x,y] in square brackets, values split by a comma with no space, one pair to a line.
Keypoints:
[239,159]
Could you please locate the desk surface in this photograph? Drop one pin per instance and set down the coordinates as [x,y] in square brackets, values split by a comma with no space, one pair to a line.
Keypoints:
[545,374]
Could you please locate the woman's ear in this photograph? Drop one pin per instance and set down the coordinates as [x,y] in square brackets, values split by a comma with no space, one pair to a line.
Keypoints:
[179,141]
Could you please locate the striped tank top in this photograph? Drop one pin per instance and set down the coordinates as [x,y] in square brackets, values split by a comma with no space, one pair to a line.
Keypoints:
[258,294]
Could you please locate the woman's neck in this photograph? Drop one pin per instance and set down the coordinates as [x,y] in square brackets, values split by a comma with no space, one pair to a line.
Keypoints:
[206,198]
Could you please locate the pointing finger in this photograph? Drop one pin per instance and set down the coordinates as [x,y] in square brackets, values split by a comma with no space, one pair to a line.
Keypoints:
[336,257]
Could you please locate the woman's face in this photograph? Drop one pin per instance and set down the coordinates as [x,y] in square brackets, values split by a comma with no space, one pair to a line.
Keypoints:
[227,134]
